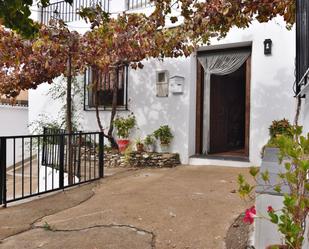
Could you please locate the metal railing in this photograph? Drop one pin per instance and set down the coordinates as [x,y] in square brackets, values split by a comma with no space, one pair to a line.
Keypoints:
[69,13]
[8,102]
[302,84]
[37,164]
[50,146]
[135,4]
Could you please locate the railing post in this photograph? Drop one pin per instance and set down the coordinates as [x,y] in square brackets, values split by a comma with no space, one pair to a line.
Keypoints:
[44,147]
[3,171]
[79,154]
[61,162]
[101,155]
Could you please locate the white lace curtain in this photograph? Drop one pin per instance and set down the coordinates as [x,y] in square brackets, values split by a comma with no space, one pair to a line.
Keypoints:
[221,63]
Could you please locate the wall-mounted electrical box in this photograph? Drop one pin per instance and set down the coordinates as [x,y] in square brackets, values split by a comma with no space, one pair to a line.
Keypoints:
[177,84]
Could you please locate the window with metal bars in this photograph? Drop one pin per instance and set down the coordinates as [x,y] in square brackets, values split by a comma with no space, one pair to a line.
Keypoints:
[135,4]
[69,12]
[105,89]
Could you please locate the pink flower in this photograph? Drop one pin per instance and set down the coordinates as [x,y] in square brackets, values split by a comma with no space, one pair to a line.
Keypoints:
[270,209]
[249,215]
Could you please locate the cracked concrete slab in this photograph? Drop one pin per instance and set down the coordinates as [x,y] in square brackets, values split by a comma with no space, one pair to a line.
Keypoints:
[21,216]
[110,237]
[184,207]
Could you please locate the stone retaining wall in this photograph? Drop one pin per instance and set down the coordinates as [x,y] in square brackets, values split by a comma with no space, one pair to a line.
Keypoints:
[141,159]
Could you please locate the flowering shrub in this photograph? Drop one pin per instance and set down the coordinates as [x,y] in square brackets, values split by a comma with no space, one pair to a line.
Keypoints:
[291,219]
[250,215]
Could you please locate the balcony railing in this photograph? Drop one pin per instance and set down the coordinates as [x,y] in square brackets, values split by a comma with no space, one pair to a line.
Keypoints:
[135,4]
[69,13]
[18,102]
[303,84]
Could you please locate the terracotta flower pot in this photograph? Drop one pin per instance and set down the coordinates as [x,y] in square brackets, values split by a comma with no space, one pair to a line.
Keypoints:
[123,144]
[277,247]
[140,147]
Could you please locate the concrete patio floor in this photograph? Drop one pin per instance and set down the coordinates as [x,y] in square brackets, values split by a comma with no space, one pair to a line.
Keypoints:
[183,207]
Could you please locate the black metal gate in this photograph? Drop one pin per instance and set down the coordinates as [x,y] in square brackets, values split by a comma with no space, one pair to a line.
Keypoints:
[50,146]
[37,164]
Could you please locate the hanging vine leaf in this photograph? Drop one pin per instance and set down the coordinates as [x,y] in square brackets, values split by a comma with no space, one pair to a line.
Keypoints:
[15,14]
[27,63]
[206,19]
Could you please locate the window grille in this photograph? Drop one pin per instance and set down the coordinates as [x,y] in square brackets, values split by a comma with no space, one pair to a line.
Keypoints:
[105,89]
[135,4]
[69,13]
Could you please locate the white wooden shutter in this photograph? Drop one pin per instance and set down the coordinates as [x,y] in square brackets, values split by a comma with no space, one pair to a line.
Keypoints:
[162,83]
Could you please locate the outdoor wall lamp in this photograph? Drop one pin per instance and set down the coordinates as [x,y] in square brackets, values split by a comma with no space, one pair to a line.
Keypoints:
[267,46]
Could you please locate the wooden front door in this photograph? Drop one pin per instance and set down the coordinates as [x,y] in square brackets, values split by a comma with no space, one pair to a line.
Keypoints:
[228,112]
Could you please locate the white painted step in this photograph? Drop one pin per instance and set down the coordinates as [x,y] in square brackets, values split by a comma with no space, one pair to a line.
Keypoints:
[217,162]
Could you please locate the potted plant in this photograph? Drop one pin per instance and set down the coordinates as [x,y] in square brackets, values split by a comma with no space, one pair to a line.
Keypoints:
[293,158]
[123,126]
[165,136]
[139,145]
[149,141]
[278,128]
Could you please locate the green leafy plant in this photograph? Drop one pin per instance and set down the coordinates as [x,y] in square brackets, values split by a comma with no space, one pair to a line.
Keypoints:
[276,129]
[36,126]
[107,148]
[47,227]
[280,128]
[139,141]
[15,14]
[124,125]
[128,154]
[149,140]
[164,134]
[294,157]
[58,92]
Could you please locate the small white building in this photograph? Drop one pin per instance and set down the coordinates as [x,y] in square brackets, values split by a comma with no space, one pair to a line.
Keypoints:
[220,117]
[14,117]
[14,122]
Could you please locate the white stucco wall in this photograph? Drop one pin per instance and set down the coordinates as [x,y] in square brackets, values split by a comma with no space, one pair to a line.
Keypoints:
[13,122]
[150,111]
[272,79]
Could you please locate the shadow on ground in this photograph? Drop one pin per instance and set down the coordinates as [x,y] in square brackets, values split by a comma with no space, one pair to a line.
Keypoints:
[183,207]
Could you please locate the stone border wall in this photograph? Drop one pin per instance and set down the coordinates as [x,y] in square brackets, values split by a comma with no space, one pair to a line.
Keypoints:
[141,160]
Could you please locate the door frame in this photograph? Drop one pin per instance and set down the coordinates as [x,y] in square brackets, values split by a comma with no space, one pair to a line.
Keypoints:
[200,106]
[248,106]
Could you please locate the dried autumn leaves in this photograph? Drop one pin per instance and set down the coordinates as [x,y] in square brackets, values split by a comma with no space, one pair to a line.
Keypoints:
[206,19]
[126,39]
[25,64]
